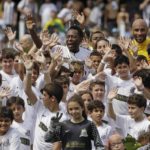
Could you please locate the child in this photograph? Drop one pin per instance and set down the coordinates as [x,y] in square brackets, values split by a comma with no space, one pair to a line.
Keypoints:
[97,89]
[96,111]
[16,104]
[96,59]
[9,136]
[115,142]
[78,132]
[86,97]
[136,122]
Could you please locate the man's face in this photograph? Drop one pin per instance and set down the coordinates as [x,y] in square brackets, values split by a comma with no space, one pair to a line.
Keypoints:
[139,30]
[7,65]
[73,40]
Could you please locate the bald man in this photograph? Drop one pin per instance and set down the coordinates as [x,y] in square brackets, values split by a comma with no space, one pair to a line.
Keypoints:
[116,142]
[139,31]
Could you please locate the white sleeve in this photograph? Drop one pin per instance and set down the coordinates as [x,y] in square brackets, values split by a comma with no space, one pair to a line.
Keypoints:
[122,124]
[15,141]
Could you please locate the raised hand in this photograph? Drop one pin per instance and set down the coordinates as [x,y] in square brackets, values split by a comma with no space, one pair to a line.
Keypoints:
[39,57]
[109,56]
[124,43]
[134,49]
[138,83]
[83,86]
[28,62]
[112,94]
[10,34]
[18,46]
[5,92]
[30,22]
[100,76]
[79,17]
[57,56]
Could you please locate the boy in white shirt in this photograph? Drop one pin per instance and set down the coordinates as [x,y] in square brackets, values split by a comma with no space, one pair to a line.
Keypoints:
[45,110]
[136,122]
[96,111]
[9,137]
[24,127]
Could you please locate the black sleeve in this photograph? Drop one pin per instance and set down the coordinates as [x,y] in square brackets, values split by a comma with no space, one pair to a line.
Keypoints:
[96,138]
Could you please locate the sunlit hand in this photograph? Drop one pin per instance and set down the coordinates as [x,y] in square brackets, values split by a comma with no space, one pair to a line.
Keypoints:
[79,17]
[5,92]
[10,34]
[30,22]
[112,94]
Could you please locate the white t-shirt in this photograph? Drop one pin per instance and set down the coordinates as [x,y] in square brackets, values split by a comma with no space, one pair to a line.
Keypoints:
[25,131]
[104,131]
[10,141]
[129,126]
[125,89]
[42,125]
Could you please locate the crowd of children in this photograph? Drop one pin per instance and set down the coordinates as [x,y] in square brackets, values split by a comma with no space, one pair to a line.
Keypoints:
[100,89]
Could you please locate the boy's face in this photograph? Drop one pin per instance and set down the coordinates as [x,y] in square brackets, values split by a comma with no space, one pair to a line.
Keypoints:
[4,125]
[134,111]
[46,99]
[7,65]
[97,115]
[122,70]
[101,46]
[95,61]
[34,76]
[17,111]
[98,92]
[77,76]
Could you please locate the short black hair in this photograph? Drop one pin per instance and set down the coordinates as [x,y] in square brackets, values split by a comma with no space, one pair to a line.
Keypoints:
[94,105]
[62,80]
[15,100]
[120,60]
[117,49]
[8,53]
[141,57]
[54,89]
[5,112]
[138,100]
[77,28]
[96,53]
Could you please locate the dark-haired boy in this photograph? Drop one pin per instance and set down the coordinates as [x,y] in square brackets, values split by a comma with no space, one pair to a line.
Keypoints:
[9,137]
[96,111]
[136,122]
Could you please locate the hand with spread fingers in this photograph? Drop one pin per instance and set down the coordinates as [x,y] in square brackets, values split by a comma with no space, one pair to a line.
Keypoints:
[30,22]
[79,17]
[5,92]
[28,62]
[10,34]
